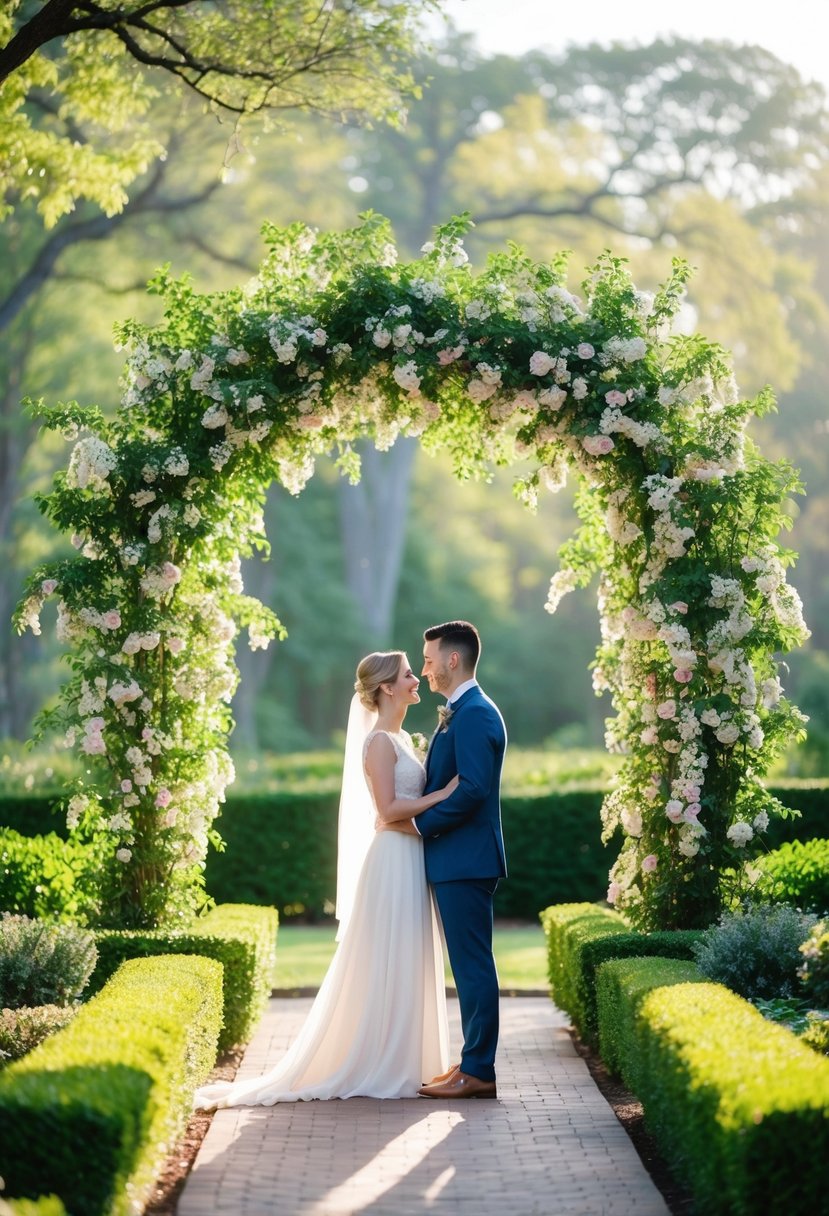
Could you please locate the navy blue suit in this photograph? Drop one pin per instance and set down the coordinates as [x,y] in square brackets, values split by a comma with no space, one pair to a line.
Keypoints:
[463,848]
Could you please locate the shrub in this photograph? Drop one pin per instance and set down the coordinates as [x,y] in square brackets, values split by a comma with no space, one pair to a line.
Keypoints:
[51,878]
[282,845]
[580,937]
[814,965]
[89,1114]
[736,1104]
[756,952]
[42,964]
[22,1029]
[621,986]
[797,873]
[48,1205]
[816,1033]
[239,936]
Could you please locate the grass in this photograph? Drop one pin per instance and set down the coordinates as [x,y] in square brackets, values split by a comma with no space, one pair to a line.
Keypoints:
[304,951]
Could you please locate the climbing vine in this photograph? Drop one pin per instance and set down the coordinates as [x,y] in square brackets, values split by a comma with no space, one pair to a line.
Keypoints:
[335,341]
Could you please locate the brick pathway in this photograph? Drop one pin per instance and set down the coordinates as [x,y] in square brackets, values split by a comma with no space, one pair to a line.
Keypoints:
[549,1145]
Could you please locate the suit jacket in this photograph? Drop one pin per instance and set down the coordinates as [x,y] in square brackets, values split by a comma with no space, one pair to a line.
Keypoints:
[462,836]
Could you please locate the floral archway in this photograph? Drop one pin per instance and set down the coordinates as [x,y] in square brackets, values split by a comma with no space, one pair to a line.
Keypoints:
[333,341]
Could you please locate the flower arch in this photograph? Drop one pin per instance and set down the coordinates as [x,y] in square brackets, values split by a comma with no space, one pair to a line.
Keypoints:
[334,340]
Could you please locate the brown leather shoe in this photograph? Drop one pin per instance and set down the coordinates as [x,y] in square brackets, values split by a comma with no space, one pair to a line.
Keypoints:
[460,1085]
[443,1076]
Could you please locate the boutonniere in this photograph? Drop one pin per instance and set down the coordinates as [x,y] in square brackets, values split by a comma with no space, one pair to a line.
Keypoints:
[445,716]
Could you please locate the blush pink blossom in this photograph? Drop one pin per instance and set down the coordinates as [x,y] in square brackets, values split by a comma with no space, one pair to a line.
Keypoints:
[112,619]
[613,892]
[678,606]
[597,445]
[683,676]
[163,798]
[95,725]
[585,351]
[614,397]
[541,363]
[673,810]
[649,863]
[692,810]
[48,585]
[667,710]
[126,786]
[449,354]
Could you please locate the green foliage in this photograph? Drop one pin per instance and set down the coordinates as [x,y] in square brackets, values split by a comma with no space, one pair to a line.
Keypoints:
[797,873]
[336,342]
[580,937]
[736,1104]
[242,938]
[755,952]
[816,1034]
[814,969]
[23,1029]
[95,136]
[43,964]
[47,1205]
[621,986]
[90,1114]
[51,878]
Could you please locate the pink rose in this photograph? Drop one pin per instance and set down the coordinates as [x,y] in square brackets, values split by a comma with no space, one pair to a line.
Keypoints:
[171,574]
[175,645]
[649,863]
[585,351]
[614,397]
[673,810]
[692,810]
[163,798]
[649,736]
[48,585]
[94,745]
[597,445]
[678,606]
[126,786]
[667,710]
[613,892]
[112,619]
[449,354]
[95,725]
[683,676]
[541,363]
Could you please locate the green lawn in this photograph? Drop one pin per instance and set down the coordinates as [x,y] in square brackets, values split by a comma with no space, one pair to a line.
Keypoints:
[304,951]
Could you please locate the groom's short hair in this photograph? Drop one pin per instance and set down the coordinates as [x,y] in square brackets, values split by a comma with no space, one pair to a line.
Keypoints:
[460,636]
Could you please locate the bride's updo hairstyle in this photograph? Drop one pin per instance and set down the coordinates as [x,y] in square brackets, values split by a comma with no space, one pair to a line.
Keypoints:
[381,667]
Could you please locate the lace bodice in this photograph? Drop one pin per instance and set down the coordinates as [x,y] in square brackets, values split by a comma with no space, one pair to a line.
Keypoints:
[409,773]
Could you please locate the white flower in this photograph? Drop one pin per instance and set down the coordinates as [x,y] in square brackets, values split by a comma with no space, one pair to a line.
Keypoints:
[728,733]
[235,357]
[381,338]
[761,821]
[91,463]
[214,417]
[579,389]
[124,855]
[541,363]
[740,833]
[552,398]
[597,445]
[407,377]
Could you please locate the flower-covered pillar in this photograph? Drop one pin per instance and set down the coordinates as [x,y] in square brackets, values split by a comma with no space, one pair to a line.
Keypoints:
[335,341]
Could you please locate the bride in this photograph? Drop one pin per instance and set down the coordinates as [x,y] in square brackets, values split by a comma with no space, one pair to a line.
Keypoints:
[378,1025]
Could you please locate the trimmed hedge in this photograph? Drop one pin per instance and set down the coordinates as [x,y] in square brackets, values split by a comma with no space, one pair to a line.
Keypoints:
[241,937]
[89,1115]
[797,873]
[281,847]
[580,937]
[48,1205]
[738,1105]
[621,986]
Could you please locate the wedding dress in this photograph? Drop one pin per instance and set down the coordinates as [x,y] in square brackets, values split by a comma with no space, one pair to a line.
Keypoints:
[378,1026]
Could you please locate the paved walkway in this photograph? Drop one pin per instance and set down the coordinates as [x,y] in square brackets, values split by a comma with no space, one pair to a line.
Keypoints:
[549,1145]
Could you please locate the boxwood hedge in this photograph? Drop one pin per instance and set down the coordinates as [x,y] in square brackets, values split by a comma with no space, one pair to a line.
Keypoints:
[242,938]
[580,937]
[738,1105]
[89,1115]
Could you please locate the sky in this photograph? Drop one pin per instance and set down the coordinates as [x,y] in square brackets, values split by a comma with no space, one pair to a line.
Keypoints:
[792,29]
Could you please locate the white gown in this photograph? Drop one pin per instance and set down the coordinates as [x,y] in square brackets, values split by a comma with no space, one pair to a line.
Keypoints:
[378,1026]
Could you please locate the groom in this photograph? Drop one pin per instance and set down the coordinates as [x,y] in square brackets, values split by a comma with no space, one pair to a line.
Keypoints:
[464,847]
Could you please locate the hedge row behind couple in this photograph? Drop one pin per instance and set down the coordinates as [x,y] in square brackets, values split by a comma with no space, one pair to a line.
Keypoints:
[416,842]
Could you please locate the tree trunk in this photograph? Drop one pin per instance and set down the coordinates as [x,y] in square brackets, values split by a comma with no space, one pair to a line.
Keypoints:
[373,518]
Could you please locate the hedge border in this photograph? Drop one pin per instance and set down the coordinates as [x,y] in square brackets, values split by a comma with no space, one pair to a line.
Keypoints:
[89,1114]
[580,937]
[242,937]
[738,1105]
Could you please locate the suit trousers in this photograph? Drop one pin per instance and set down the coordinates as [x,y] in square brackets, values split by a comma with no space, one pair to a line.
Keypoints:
[465,907]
